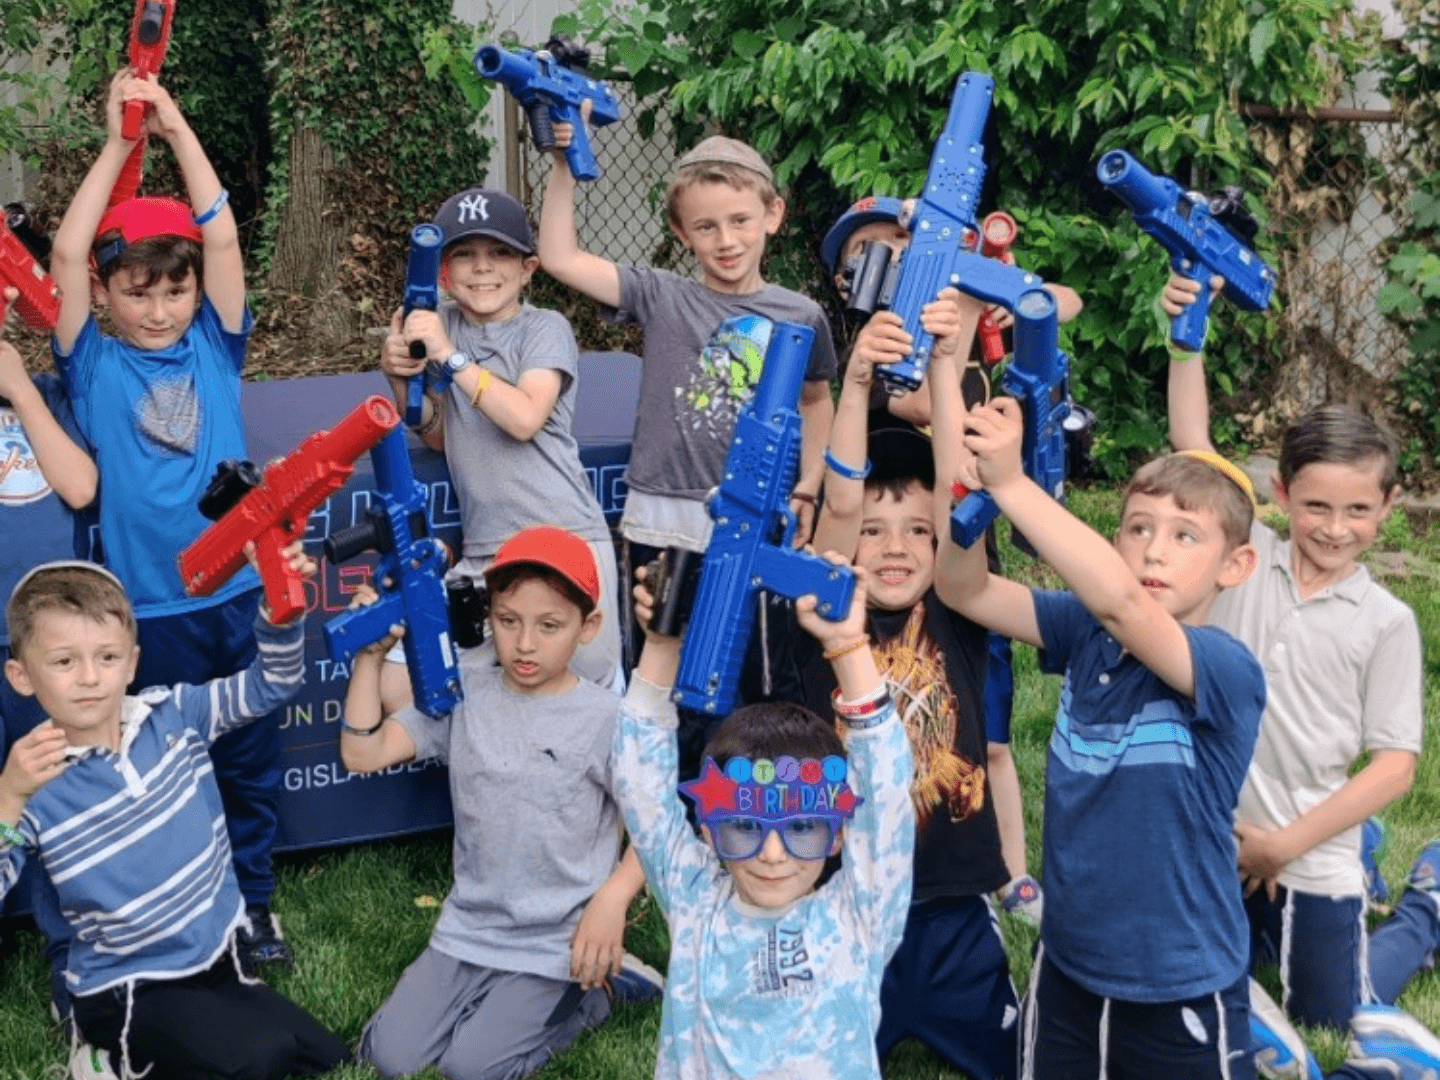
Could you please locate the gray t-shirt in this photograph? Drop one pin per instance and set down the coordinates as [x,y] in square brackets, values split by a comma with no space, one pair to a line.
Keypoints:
[1343,671]
[536,828]
[689,402]
[506,484]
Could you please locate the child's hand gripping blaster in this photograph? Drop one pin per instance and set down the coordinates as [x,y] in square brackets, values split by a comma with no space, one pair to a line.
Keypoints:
[37,303]
[550,85]
[750,548]
[149,41]
[1200,242]
[273,509]
[422,292]
[409,578]
[1038,377]
[941,225]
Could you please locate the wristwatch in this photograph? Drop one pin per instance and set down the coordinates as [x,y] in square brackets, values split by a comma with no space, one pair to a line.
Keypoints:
[456,362]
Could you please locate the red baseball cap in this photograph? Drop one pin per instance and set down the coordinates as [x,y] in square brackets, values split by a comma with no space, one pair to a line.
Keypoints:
[140,219]
[556,549]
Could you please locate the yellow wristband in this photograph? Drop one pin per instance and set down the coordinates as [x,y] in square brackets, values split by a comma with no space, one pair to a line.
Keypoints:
[480,387]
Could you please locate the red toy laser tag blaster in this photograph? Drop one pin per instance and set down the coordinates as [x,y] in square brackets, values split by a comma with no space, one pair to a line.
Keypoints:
[149,40]
[274,509]
[38,305]
[997,234]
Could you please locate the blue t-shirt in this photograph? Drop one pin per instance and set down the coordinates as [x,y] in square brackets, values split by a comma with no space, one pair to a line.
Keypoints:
[1142,899]
[35,524]
[160,422]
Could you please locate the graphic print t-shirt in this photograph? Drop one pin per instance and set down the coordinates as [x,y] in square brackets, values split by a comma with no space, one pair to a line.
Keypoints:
[693,384]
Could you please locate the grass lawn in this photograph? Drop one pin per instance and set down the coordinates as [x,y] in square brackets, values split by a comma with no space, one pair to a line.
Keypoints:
[356,917]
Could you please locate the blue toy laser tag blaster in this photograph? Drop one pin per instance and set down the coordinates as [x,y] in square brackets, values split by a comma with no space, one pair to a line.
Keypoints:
[1200,245]
[943,225]
[550,85]
[1038,377]
[750,548]
[422,292]
[409,578]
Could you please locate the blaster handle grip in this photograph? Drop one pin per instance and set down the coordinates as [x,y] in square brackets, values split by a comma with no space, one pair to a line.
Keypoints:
[342,545]
[542,129]
[415,398]
[284,589]
[578,154]
[971,517]
[132,120]
[1188,329]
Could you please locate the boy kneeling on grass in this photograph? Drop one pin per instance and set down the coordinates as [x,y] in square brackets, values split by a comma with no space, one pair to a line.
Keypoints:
[117,797]
[528,951]
[769,975]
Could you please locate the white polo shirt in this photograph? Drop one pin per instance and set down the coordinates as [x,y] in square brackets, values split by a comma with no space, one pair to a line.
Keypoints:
[1344,675]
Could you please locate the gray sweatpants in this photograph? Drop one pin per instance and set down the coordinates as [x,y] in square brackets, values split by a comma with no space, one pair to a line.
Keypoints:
[476,1023]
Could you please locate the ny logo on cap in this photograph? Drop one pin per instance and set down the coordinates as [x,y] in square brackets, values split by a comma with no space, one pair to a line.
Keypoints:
[472,207]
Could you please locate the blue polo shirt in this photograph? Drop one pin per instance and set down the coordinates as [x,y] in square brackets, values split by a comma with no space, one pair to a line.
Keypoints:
[1142,898]
[159,422]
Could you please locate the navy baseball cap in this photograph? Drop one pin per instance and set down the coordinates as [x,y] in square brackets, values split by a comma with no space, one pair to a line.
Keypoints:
[870,209]
[481,211]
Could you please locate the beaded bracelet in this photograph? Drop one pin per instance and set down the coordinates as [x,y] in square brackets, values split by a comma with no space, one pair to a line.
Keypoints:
[11,835]
[848,647]
[215,208]
[845,470]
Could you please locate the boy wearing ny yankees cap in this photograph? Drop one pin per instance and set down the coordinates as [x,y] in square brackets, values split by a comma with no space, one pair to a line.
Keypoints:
[504,423]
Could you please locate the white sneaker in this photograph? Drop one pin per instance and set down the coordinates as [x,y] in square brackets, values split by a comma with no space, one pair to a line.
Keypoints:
[90,1063]
[1280,1053]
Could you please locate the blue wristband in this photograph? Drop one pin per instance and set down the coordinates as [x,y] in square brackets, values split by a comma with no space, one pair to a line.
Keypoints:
[215,208]
[845,470]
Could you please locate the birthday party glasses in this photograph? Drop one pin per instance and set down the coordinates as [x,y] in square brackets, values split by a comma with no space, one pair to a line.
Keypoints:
[740,838]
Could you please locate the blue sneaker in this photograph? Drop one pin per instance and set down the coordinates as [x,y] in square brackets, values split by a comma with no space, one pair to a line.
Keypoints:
[1389,1042]
[1280,1053]
[637,981]
[1425,874]
[1374,839]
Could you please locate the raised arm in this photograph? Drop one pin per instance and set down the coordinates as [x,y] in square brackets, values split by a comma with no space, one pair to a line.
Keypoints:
[1090,565]
[957,570]
[66,467]
[557,242]
[838,527]
[224,262]
[70,252]
[1187,400]
[370,740]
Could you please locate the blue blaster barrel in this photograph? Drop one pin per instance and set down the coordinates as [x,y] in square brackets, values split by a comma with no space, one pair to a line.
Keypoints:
[410,579]
[1199,246]
[422,292]
[944,221]
[1038,377]
[551,93]
[750,548]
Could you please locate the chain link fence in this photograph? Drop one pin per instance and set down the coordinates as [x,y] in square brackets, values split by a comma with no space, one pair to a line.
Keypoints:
[1335,179]
[622,214]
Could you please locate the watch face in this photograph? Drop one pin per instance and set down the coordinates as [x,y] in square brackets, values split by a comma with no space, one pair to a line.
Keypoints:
[457,360]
